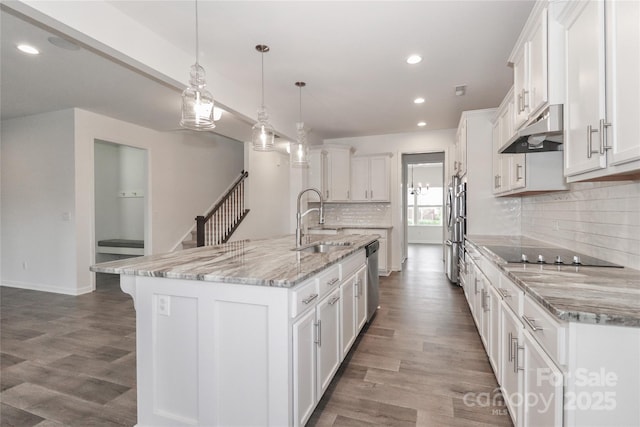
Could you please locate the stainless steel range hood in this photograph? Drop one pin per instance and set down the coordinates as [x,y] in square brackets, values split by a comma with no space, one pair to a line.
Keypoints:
[542,134]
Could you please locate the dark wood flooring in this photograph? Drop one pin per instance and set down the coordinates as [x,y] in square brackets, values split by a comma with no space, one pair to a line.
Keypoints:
[70,361]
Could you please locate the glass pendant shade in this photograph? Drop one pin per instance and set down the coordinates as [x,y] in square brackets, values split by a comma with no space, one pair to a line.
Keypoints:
[197,102]
[299,150]
[263,136]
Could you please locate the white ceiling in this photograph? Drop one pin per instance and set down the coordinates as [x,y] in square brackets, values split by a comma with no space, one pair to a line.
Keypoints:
[350,54]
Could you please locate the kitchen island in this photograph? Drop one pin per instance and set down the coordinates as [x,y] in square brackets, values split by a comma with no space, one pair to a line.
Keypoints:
[245,333]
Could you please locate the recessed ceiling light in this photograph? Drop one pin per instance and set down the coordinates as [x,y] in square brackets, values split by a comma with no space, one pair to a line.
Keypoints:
[422,124]
[414,59]
[419,100]
[28,49]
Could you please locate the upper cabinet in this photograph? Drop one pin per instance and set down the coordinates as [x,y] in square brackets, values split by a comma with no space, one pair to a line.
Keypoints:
[520,174]
[460,149]
[370,178]
[530,72]
[339,166]
[342,177]
[602,130]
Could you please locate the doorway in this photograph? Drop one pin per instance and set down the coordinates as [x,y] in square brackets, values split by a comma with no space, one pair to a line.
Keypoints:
[422,200]
[120,201]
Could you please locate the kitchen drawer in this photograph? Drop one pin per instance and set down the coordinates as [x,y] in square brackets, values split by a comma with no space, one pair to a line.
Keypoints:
[546,330]
[328,280]
[490,270]
[512,295]
[352,264]
[303,296]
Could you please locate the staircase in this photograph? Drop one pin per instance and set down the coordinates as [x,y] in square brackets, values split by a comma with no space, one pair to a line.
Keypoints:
[218,225]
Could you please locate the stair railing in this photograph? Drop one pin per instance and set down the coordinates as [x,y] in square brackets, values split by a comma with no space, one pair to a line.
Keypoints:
[219,224]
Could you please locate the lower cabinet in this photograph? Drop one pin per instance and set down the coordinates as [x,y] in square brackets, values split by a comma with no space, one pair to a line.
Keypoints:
[304,367]
[543,383]
[323,335]
[511,384]
[329,353]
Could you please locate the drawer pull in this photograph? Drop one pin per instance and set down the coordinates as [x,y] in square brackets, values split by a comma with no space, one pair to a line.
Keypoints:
[531,323]
[319,333]
[333,281]
[310,298]
[504,293]
[334,300]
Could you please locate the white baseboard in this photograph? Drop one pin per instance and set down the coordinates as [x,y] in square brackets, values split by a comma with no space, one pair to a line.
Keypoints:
[47,288]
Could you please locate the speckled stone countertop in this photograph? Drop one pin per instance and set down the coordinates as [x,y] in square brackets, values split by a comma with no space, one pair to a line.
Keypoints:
[599,295]
[358,226]
[266,262]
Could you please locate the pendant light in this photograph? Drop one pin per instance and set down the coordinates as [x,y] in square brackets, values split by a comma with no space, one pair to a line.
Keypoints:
[262,136]
[413,189]
[299,150]
[197,102]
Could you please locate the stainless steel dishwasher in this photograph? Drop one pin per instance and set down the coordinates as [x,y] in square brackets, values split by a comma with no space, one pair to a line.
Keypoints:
[372,278]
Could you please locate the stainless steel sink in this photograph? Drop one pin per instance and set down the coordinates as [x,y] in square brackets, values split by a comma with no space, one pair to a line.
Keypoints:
[323,247]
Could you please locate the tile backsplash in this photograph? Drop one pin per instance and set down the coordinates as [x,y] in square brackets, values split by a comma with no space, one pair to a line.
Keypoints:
[369,214]
[600,219]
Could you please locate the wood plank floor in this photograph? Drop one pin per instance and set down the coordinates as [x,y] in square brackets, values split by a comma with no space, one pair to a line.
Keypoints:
[70,361]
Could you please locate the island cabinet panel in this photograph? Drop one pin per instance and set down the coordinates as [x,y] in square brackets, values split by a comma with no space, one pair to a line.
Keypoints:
[361,298]
[329,352]
[210,351]
[348,314]
[304,367]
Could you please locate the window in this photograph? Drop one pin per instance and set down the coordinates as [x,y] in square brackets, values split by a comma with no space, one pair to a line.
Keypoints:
[425,209]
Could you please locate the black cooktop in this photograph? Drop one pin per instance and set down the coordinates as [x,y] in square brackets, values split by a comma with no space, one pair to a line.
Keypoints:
[550,256]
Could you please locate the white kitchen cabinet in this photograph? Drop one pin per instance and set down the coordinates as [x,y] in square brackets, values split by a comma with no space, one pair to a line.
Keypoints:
[511,376]
[602,131]
[542,379]
[339,171]
[318,170]
[494,342]
[348,314]
[370,178]
[304,367]
[329,353]
[530,69]
[383,251]
[518,174]
[460,149]
[361,298]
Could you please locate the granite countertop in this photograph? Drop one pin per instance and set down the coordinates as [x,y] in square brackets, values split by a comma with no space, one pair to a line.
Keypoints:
[356,226]
[265,262]
[599,295]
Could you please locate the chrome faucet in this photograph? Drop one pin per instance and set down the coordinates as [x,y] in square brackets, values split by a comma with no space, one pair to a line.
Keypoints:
[299,216]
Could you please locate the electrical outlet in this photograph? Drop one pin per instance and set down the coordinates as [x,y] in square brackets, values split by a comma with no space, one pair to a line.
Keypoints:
[556,225]
[164,305]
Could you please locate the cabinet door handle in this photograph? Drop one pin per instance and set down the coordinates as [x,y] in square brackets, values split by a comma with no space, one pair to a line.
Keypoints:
[525,104]
[531,323]
[520,107]
[514,349]
[518,169]
[310,298]
[319,333]
[510,346]
[357,289]
[365,194]
[603,136]
[327,194]
[371,191]
[504,293]
[347,194]
[334,300]
[590,149]
[333,281]
[516,362]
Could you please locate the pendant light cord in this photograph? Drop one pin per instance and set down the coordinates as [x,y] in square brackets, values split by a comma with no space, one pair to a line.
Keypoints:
[262,73]
[300,103]
[197,40]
